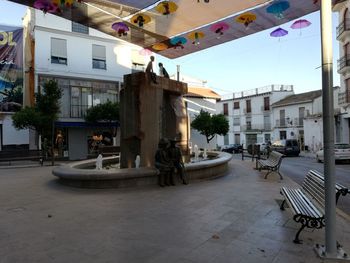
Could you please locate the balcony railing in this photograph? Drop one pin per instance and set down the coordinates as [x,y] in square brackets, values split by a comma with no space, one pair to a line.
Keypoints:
[256,127]
[265,108]
[287,122]
[343,62]
[344,97]
[78,111]
[343,26]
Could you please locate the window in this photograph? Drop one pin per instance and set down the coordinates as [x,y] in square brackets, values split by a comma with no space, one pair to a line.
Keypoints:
[98,57]
[58,51]
[249,106]
[249,123]
[266,103]
[267,122]
[283,135]
[225,109]
[79,28]
[236,121]
[282,118]
[237,138]
[226,139]
[236,105]
[301,116]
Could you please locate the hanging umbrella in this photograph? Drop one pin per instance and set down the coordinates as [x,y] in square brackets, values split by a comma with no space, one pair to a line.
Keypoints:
[63,3]
[246,19]
[145,52]
[195,36]
[278,8]
[166,7]
[140,19]
[219,28]
[121,28]
[46,6]
[178,42]
[160,46]
[299,24]
[279,32]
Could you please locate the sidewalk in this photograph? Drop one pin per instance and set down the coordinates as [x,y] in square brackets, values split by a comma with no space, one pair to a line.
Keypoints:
[235,218]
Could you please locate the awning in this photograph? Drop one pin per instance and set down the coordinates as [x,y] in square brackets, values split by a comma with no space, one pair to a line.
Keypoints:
[192,19]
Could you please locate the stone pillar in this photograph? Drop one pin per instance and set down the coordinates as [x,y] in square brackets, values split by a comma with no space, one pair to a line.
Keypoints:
[149,112]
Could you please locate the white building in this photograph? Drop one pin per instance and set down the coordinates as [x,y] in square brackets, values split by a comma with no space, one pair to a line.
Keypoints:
[88,66]
[250,114]
[343,36]
[197,99]
[289,113]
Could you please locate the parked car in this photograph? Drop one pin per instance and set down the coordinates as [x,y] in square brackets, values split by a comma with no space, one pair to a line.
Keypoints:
[341,152]
[289,147]
[232,148]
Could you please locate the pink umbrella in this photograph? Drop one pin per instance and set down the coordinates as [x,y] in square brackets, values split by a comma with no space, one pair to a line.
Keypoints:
[121,28]
[145,52]
[219,28]
[46,6]
[299,24]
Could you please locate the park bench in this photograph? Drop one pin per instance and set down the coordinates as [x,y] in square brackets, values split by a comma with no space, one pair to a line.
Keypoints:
[272,163]
[21,155]
[307,203]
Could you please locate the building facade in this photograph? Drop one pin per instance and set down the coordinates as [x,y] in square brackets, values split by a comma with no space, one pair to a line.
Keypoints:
[343,36]
[250,114]
[88,66]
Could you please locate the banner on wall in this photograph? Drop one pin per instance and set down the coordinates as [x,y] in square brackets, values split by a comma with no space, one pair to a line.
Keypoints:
[11,68]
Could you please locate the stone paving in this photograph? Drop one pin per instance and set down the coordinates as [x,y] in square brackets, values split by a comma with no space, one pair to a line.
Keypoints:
[235,218]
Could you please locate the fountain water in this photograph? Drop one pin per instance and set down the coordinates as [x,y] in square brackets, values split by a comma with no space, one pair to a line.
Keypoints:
[205,155]
[99,162]
[137,161]
[196,152]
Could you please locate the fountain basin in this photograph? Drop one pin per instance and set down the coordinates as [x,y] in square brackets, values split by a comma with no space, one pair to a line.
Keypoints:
[83,173]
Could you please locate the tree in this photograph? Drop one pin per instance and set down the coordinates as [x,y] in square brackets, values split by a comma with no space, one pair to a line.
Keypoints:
[106,112]
[45,112]
[210,125]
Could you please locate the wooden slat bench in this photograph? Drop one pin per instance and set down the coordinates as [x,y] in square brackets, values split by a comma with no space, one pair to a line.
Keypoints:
[21,155]
[307,202]
[272,163]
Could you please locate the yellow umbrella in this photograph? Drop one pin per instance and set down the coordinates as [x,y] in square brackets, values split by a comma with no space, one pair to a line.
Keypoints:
[166,7]
[140,19]
[160,46]
[195,36]
[67,3]
[246,18]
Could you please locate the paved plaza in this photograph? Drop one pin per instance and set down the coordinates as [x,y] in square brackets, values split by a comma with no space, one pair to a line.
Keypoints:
[235,218]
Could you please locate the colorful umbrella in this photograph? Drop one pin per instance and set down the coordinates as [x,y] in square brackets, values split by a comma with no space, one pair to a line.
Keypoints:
[140,19]
[145,52]
[279,32]
[121,28]
[219,28]
[63,3]
[166,7]
[278,8]
[195,36]
[299,24]
[246,19]
[178,42]
[46,6]
[160,46]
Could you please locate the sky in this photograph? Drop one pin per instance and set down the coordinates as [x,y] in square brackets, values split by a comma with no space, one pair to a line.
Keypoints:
[251,62]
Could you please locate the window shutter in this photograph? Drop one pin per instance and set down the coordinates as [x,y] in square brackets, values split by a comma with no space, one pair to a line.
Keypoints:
[98,52]
[58,48]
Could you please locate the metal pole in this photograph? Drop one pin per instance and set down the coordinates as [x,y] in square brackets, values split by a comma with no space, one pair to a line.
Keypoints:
[178,72]
[328,126]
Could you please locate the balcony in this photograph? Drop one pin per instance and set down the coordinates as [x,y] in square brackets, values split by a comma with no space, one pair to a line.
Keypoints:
[338,5]
[344,64]
[264,109]
[288,122]
[344,98]
[343,30]
[256,128]
[247,111]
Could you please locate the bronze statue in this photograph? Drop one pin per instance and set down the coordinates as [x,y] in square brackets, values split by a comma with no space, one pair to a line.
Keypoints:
[164,164]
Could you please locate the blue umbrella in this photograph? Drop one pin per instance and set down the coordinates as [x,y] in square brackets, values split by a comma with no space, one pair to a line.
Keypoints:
[178,41]
[278,8]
